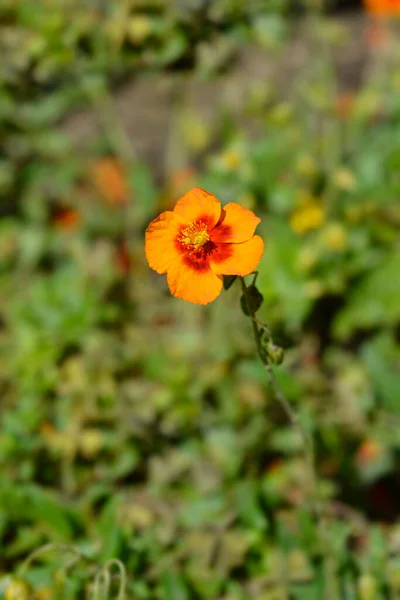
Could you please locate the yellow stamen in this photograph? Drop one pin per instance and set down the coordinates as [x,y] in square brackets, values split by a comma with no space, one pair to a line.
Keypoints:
[194,236]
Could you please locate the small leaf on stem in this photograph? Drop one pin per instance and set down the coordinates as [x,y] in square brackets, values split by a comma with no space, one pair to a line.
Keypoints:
[254,297]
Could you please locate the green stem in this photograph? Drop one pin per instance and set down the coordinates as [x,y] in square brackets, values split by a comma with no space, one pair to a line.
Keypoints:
[308,446]
[64,548]
[102,583]
[308,451]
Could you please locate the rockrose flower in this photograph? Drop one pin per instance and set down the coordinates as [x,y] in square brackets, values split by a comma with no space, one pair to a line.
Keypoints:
[199,242]
[383,7]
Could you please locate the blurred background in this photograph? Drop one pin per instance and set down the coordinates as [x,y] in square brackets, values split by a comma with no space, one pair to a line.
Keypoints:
[136,426]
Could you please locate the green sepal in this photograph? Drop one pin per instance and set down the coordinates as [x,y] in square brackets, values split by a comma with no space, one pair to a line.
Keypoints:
[228,280]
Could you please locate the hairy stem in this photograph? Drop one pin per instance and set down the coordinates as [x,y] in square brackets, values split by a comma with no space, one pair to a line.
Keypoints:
[308,446]
[329,561]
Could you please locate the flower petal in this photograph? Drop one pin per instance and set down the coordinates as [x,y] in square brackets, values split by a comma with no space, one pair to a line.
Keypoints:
[242,259]
[160,248]
[199,205]
[200,285]
[236,224]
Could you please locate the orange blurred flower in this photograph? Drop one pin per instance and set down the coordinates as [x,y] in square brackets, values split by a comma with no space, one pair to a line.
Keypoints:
[368,452]
[46,428]
[344,104]
[376,35]
[383,7]
[175,186]
[109,178]
[199,241]
[67,219]
[181,178]
[123,258]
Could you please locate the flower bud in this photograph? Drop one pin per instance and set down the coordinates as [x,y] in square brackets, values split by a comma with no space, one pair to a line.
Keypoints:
[275,353]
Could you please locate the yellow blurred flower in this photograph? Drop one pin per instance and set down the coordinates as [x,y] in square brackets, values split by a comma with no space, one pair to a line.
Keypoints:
[306,165]
[396,80]
[310,215]
[138,29]
[344,179]
[18,589]
[231,158]
[394,578]
[306,259]
[140,516]
[369,207]
[115,27]
[353,213]
[298,564]
[367,587]
[368,104]
[280,114]
[195,130]
[314,288]
[73,376]
[91,442]
[334,237]
[60,442]
[44,594]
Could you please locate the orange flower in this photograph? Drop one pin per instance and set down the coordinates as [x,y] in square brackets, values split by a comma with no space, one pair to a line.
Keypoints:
[109,178]
[369,451]
[177,183]
[67,219]
[344,104]
[123,258]
[383,7]
[376,35]
[199,241]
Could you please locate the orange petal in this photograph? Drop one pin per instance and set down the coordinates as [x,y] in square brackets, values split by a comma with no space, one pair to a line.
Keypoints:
[200,286]
[199,205]
[160,247]
[237,224]
[242,260]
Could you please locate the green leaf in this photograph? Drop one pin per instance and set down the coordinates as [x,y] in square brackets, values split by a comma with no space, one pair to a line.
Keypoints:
[39,505]
[174,586]
[280,282]
[248,505]
[202,511]
[144,191]
[45,507]
[173,49]
[382,358]
[109,530]
[374,301]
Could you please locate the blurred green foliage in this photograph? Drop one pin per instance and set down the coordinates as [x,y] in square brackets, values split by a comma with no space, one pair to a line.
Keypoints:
[139,428]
